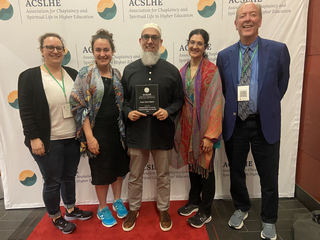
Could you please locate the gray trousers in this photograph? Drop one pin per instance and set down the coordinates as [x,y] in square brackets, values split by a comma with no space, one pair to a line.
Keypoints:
[138,160]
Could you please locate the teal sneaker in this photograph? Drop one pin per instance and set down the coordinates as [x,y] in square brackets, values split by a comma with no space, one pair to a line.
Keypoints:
[236,220]
[120,208]
[106,217]
[269,231]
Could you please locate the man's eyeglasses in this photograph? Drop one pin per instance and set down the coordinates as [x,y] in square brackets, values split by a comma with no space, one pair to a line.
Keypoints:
[146,37]
[51,48]
[194,43]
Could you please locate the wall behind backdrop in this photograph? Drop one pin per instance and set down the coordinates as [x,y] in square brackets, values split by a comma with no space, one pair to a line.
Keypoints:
[23,21]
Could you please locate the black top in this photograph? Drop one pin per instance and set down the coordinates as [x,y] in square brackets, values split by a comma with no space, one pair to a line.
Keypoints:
[149,132]
[33,105]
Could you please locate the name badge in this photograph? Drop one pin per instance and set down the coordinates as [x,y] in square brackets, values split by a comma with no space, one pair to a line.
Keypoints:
[243,93]
[66,111]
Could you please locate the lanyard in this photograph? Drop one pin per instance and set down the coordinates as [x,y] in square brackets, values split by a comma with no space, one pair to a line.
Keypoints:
[240,55]
[62,87]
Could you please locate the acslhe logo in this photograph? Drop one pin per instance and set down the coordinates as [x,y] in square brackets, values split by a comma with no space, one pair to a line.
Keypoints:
[142,3]
[43,3]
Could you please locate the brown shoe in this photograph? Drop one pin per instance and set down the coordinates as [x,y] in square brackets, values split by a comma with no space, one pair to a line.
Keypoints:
[130,221]
[165,221]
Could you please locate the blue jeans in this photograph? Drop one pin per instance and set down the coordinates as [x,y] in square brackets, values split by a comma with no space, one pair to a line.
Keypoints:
[58,169]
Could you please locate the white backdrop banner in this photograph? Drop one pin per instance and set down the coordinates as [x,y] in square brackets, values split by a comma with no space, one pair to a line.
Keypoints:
[23,21]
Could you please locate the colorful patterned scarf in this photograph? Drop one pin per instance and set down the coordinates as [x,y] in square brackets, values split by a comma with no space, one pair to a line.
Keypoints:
[199,118]
[86,97]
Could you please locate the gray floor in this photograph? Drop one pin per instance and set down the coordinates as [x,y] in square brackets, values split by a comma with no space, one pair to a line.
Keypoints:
[289,210]
[18,224]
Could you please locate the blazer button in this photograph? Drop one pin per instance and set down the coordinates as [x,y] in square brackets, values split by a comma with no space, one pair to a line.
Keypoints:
[234,114]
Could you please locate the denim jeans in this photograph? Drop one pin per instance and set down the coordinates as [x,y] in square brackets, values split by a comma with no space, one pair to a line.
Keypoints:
[58,169]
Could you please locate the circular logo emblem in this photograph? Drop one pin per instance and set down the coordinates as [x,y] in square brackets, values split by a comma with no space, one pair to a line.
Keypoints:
[107,9]
[13,99]
[206,8]
[146,90]
[66,57]
[27,178]
[164,53]
[6,10]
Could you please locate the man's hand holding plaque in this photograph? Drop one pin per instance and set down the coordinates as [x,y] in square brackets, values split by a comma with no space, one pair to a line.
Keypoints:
[135,115]
[161,114]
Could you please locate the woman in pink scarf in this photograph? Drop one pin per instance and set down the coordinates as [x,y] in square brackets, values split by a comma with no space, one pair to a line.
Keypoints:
[199,128]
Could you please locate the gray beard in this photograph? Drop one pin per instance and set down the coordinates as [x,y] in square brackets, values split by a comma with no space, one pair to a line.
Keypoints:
[150,58]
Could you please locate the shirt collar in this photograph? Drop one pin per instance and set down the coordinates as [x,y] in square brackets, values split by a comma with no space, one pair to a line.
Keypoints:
[252,46]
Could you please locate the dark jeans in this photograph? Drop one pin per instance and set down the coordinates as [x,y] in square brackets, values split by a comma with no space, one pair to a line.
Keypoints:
[58,169]
[202,191]
[266,157]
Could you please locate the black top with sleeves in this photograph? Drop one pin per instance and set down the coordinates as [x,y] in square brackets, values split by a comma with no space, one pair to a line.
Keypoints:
[149,132]
[33,105]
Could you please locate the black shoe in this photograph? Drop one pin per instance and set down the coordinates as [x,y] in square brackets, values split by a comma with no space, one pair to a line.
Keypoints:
[63,225]
[198,220]
[78,214]
[187,209]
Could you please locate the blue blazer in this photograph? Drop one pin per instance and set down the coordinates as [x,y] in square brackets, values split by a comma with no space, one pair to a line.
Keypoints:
[273,78]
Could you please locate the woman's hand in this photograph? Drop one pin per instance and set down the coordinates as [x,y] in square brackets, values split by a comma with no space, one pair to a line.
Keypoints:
[207,145]
[92,142]
[93,146]
[37,147]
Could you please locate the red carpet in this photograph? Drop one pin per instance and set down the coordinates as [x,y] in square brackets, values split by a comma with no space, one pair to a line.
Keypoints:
[147,226]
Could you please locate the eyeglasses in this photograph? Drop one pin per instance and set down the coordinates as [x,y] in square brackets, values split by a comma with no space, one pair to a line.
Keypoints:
[146,37]
[194,43]
[51,48]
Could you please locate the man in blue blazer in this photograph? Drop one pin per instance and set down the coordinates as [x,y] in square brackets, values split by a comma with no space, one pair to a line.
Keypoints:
[252,116]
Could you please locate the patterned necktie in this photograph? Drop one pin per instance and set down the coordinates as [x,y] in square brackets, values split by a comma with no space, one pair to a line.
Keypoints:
[243,106]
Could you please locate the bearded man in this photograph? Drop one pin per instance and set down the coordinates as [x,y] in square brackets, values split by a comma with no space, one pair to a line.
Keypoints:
[150,133]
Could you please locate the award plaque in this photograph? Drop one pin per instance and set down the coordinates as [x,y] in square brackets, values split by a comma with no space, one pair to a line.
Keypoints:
[147,98]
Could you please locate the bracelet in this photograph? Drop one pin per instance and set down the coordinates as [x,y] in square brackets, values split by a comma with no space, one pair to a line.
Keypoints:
[92,141]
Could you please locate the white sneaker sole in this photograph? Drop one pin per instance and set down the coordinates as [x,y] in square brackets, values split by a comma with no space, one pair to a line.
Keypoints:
[109,225]
[76,218]
[274,238]
[199,226]
[188,214]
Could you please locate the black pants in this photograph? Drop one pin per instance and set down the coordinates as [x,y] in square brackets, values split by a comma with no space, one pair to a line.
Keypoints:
[206,187]
[266,157]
